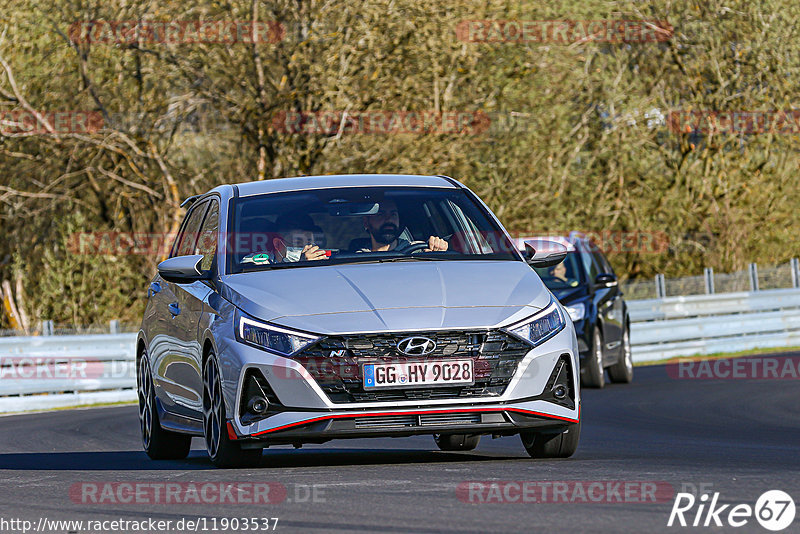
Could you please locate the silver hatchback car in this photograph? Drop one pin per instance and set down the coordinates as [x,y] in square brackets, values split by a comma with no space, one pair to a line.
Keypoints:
[301,310]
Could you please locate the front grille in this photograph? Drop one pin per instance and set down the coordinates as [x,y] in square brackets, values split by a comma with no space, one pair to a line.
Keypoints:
[404,421]
[336,363]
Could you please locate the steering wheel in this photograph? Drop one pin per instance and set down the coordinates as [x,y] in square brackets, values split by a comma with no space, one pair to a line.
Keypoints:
[413,246]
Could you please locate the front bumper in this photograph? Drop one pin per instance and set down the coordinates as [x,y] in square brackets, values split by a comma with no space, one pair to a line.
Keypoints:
[583,334]
[297,427]
[308,415]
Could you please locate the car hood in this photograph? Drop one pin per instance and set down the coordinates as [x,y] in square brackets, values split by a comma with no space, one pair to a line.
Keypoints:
[422,295]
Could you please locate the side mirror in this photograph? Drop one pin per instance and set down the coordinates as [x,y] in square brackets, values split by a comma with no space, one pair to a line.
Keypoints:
[183,269]
[544,253]
[606,280]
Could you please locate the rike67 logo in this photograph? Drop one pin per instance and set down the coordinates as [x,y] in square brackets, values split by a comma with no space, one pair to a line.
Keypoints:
[774,510]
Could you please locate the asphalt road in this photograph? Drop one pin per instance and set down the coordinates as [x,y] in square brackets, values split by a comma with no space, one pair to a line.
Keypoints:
[736,437]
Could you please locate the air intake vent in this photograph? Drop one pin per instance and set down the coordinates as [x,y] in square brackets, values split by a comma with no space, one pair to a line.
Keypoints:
[389,421]
[404,421]
[450,419]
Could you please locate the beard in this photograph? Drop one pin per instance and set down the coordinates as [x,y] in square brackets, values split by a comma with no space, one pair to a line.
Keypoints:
[386,234]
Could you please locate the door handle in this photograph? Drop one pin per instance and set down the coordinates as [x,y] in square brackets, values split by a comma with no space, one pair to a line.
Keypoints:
[155,287]
[174,309]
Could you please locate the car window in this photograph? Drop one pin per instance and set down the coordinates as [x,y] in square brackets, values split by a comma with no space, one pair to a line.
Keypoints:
[188,236]
[589,266]
[361,224]
[603,262]
[207,240]
[564,275]
[600,260]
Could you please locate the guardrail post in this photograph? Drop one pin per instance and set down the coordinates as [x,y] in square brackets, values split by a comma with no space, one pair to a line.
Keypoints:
[47,328]
[795,265]
[753,269]
[114,326]
[708,274]
[661,288]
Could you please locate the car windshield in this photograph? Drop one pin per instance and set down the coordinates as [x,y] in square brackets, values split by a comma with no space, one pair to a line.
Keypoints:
[356,225]
[566,274]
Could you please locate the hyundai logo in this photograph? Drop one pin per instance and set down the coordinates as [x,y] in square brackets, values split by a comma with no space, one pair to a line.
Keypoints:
[416,346]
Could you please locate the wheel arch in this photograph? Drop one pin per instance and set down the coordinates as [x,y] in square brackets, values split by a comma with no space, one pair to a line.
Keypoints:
[141,346]
[208,347]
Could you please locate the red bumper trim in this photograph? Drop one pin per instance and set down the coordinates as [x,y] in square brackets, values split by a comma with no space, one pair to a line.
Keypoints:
[418,412]
[231,432]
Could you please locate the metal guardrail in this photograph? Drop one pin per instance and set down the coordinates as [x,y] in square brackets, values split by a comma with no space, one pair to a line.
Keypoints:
[754,278]
[44,372]
[718,304]
[106,347]
[707,324]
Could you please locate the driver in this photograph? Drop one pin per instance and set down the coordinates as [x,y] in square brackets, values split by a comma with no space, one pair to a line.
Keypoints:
[559,272]
[384,231]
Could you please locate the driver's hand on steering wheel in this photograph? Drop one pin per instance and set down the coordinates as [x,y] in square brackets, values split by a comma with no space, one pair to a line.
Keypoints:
[436,244]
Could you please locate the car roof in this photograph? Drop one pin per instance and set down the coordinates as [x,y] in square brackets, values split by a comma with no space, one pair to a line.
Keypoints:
[280,185]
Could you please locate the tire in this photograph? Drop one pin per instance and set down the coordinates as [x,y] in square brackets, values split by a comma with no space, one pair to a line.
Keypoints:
[159,444]
[456,442]
[223,451]
[594,377]
[562,445]
[622,371]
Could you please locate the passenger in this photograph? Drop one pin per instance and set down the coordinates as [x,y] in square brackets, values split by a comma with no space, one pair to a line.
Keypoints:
[296,241]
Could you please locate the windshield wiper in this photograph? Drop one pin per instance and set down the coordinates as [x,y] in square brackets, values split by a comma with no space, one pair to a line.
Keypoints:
[415,257]
[370,259]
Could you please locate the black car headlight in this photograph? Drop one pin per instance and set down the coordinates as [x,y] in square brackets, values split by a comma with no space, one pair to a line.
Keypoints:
[541,327]
[271,337]
[576,311]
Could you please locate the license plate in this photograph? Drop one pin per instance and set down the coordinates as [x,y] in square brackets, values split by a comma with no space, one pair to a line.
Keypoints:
[430,373]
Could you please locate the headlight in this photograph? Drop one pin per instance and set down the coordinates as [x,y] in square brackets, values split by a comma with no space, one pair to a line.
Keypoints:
[576,311]
[272,337]
[540,327]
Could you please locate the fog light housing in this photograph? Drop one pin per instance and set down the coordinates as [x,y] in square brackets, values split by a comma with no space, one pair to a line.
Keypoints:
[257,400]
[560,389]
[257,405]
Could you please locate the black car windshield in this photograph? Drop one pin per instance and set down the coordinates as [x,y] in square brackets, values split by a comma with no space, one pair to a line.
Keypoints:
[568,273]
[356,225]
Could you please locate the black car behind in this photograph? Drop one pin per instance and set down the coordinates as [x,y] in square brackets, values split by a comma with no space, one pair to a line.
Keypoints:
[588,287]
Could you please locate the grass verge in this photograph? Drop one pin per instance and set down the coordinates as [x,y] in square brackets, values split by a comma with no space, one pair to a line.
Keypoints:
[720,355]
